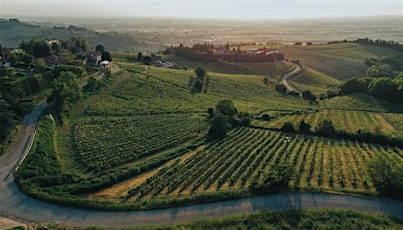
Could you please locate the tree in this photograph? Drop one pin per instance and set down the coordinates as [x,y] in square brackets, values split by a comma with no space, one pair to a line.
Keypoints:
[67,90]
[387,176]
[223,119]
[354,85]
[308,95]
[200,73]
[384,88]
[8,119]
[266,80]
[304,127]
[281,88]
[92,85]
[288,127]
[218,127]
[266,117]
[100,48]
[106,56]
[326,128]
[244,119]
[210,112]
[226,107]
[36,47]
[139,57]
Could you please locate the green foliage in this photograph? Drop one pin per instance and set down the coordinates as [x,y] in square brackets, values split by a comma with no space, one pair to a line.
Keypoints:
[386,88]
[304,127]
[325,128]
[295,219]
[354,85]
[92,86]
[387,176]
[226,107]
[99,48]
[67,90]
[37,47]
[288,127]
[106,56]
[307,95]
[200,73]
[218,127]
[281,88]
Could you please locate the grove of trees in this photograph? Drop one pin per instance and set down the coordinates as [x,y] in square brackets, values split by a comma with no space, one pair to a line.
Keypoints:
[224,118]
[384,79]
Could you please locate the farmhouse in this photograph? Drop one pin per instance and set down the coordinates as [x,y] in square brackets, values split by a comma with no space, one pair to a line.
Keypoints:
[92,58]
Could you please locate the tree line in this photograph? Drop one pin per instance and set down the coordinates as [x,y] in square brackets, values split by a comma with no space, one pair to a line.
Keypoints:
[204,53]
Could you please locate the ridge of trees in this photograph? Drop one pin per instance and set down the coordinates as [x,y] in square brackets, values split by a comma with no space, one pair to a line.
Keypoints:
[204,53]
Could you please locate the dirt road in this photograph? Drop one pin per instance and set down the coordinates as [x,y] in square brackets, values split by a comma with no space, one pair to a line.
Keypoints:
[288,75]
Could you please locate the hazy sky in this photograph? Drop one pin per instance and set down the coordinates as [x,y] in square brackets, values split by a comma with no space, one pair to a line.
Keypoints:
[238,9]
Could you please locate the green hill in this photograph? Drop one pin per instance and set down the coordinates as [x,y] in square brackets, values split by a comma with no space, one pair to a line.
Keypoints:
[340,60]
[13,32]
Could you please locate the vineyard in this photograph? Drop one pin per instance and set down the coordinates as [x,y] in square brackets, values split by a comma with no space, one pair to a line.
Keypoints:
[360,102]
[349,121]
[168,91]
[244,157]
[102,143]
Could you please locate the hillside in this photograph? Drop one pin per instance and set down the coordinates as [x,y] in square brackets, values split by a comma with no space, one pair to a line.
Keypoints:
[140,143]
[12,33]
[341,60]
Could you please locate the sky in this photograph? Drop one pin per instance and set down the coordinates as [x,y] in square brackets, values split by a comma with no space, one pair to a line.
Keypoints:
[225,9]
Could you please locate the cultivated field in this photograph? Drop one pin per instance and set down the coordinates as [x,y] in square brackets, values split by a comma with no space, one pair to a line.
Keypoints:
[140,143]
[319,164]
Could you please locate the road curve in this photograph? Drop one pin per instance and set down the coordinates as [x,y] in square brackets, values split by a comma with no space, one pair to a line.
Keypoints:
[17,204]
[288,75]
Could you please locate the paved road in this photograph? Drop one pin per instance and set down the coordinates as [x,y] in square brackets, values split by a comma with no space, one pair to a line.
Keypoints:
[17,204]
[286,76]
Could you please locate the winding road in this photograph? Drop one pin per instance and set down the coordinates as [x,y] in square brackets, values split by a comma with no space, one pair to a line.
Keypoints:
[288,75]
[14,203]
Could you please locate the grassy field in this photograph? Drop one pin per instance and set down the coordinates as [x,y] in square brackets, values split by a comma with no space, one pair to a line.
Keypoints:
[341,61]
[315,82]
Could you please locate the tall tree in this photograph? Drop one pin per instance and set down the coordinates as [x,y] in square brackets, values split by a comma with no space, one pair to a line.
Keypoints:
[200,72]
[106,56]
[67,90]
[100,48]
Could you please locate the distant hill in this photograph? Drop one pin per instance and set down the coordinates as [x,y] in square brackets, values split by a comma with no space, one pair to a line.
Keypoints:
[13,32]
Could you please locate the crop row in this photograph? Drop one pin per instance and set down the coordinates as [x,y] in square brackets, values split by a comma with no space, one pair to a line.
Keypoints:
[101,143]
[247,154]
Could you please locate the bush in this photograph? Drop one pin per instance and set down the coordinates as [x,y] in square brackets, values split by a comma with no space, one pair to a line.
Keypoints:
[266,117]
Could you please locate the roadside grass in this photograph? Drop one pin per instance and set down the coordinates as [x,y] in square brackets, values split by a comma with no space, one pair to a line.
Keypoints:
[329,218]
[341,61]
